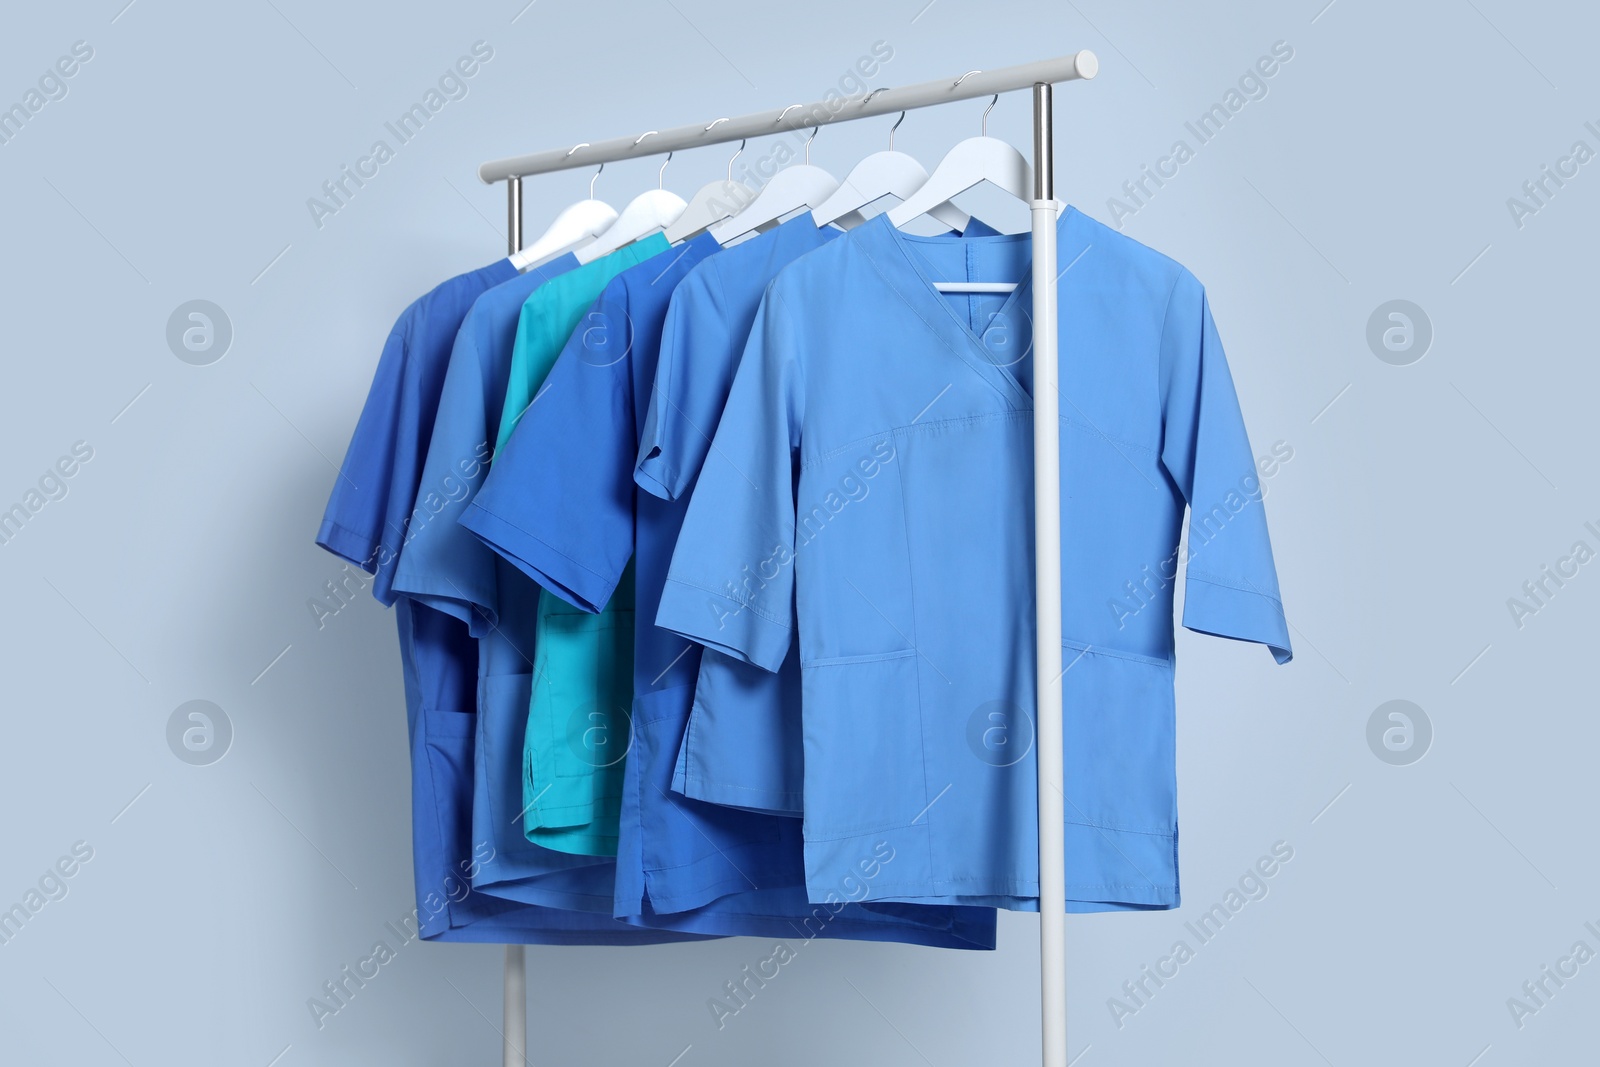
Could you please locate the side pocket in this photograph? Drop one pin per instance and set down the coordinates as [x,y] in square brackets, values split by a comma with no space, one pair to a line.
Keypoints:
[441,796]
[862,724]
[1120,733]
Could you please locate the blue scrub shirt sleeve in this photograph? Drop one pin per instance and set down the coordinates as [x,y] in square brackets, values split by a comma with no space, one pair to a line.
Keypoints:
[352,525]
[731,583]
[1231,585]
[558,502]
[442,565]
[696,345]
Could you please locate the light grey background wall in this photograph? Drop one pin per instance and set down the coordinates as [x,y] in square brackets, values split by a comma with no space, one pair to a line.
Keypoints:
[1428,483]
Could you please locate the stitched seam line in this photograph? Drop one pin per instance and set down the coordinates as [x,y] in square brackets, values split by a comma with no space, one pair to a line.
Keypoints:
[850,661]
[916,667]
[1191,576]
[896,431]
[731,600]
[848,834]
[1160,408]
[1113,653]
[1013,413]
[535,537]
[1095,431]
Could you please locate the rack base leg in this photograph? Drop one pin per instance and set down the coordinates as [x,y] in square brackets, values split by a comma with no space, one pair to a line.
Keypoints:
[516,1007]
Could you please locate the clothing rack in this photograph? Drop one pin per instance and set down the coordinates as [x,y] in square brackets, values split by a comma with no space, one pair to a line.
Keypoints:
[1042,76]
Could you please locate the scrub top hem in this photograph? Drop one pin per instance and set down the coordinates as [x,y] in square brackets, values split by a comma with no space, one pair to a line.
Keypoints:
[794,926]
[746,798]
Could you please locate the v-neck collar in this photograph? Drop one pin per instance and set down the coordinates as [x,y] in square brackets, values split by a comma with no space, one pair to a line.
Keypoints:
[920,294]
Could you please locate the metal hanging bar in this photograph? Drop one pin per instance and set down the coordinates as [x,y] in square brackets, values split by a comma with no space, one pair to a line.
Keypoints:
[1045,210]
[799,117]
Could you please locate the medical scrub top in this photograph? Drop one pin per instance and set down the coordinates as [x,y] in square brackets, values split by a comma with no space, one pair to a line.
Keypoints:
[445,568]
[373,507]
[578,722]
[562,504]
[742,745]
[868,499]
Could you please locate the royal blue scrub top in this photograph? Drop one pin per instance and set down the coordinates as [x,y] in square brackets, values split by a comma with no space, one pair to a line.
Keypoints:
[562,504]
[374,505]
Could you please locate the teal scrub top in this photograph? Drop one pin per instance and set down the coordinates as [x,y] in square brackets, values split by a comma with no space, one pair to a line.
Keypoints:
[579,722]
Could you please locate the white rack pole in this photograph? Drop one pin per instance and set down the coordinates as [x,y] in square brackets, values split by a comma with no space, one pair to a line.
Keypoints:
[514,1007]
[1047,592]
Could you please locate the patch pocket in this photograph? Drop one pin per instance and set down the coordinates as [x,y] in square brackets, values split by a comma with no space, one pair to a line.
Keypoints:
[579,716]
[863,745]
[1120,735]
[442,808]
[445,793]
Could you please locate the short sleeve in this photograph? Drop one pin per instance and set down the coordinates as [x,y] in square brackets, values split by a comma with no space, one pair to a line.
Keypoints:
[1231,584]
[685,403]
[731,583]
[558,503]
[441,564]
[353,524]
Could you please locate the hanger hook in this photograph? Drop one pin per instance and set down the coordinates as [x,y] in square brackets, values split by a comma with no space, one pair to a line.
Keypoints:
[642,136]
[868,99]
[736,155]
[983,126]
[895,127]
[574,148]
[713,125]
[964,77]
[661,175]
[784,112]
[813,137]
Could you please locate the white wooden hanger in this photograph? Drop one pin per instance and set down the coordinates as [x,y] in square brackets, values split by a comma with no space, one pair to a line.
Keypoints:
[884,174]
[649,212]
[791,189]
[576,225]
[975,160]
[713,203]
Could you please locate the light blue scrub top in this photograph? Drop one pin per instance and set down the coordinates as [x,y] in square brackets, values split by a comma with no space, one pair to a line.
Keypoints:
[867,499]
[742,746]
[561,503]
